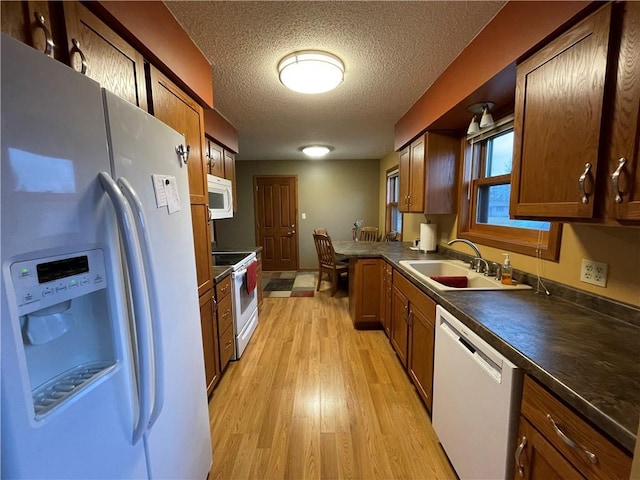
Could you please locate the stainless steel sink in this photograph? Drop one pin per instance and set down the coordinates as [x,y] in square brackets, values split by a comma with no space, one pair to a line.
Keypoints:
[425,269]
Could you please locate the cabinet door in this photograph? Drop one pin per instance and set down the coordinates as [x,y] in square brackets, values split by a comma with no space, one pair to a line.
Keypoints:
[364,293]
[259,279]
[216,159]
[202,246]
[209,340]
[385,308]
[180,112]
[559,100]
[421,342]
[536,459]
[441,158]
[111,61]
[230,174]
[623,200]
[399,324]
[416,186]
[405,180]
[29,22]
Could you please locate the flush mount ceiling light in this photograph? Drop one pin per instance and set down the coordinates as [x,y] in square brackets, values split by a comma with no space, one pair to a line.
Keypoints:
[311,71]
[485,121]
[316,151]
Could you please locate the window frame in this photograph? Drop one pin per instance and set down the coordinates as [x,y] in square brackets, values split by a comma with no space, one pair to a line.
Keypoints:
[531,242]
[389,205]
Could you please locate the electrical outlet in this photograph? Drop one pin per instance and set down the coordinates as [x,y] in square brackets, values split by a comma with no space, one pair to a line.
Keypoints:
[594,273]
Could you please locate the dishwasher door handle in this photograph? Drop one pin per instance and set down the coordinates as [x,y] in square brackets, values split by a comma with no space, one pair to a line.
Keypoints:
[467,345]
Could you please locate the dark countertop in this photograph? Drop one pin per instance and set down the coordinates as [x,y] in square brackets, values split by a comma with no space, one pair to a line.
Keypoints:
[220,273]
[588,359]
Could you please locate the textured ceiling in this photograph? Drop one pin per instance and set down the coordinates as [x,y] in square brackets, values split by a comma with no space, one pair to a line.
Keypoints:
[392,51]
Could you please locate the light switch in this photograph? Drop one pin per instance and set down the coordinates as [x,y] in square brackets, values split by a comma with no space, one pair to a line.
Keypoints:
[304,216]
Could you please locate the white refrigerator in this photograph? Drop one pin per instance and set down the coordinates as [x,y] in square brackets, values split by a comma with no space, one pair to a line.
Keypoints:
[102,372]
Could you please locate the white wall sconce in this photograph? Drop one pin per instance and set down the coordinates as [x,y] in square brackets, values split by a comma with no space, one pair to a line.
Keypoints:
[311,71]
[486,120]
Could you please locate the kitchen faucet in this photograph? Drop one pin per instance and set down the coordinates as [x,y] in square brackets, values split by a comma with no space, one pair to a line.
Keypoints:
[476,263]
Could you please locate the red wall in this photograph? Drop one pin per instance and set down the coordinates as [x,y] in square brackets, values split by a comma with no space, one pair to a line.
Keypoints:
[517,28]
[152,30]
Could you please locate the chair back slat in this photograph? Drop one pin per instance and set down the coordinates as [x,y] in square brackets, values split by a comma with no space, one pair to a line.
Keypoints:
[324,248]
[368,234]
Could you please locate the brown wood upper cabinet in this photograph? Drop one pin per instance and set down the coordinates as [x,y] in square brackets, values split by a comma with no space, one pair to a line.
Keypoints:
[573,109]
[427,174]
[175,108]
[215,159]
[30,22]
[98,52]
[230,174]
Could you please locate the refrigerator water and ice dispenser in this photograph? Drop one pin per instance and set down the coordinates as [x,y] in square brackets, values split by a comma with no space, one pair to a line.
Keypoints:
[67,334]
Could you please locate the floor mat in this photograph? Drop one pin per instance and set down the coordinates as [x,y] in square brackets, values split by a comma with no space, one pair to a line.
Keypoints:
[289,284]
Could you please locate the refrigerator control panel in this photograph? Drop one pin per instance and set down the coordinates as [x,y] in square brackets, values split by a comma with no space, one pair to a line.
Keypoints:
[42,282]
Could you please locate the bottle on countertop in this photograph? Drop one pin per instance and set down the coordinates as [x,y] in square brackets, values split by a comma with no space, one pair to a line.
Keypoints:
[506,270]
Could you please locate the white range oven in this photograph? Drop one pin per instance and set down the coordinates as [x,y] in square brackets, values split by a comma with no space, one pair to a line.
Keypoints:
[245,302]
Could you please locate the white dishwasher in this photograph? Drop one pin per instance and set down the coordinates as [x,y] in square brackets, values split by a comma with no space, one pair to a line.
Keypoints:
[476,399]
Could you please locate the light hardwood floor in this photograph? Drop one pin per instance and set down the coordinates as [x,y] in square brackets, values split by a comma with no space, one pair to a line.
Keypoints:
[313,398]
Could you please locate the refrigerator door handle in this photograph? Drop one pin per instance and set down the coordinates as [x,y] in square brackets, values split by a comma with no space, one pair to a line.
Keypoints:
[133,255]
[145,244]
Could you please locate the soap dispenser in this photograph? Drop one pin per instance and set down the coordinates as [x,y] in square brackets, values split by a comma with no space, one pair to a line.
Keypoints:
[506,270]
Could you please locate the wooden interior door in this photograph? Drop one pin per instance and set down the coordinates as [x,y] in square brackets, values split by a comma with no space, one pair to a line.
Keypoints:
[276,207]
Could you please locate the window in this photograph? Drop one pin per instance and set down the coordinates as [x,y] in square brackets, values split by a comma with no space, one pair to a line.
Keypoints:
[484,212]
[393,222]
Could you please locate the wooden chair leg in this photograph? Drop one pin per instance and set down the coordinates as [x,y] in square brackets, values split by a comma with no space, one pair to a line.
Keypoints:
[334,282]
[319,279]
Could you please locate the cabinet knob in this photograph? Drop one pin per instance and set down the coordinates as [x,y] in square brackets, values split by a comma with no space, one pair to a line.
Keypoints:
[48,40]
[76,49]
[581,183]
[615,180]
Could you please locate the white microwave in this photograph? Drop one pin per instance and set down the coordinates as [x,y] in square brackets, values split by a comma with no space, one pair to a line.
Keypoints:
[220,197]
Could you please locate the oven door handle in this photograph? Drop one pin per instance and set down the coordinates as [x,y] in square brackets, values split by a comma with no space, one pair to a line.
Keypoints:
[239,273]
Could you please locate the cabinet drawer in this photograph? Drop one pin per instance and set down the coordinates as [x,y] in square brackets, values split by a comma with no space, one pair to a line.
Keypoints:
[226,347]
[542,409]
[223,288]
[225,314]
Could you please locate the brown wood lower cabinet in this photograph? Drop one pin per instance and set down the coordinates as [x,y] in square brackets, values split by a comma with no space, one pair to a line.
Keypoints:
[365,292]
[399,323]
[537,459]
[413,333]
[387,294]
[421,343]
[558,443]
[209,327]
[225,321]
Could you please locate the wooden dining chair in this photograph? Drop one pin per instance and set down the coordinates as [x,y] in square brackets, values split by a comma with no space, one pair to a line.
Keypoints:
[368,234]
[392,237]
[327,262]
